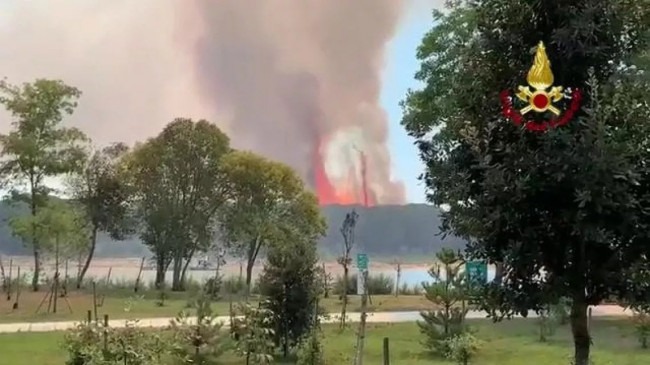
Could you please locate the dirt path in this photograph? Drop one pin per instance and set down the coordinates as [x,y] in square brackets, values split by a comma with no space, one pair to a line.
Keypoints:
[377,317]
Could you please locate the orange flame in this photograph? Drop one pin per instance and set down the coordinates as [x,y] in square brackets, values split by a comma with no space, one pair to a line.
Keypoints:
[350,192]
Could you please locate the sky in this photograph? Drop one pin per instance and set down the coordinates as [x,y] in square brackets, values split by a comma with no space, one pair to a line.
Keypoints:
[398,78]
[400,67]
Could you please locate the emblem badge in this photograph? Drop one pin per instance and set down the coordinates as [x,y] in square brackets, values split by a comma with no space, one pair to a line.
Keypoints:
[541,96]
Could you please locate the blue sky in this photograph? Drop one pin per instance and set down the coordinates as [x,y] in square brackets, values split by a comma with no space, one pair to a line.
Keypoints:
[398,78]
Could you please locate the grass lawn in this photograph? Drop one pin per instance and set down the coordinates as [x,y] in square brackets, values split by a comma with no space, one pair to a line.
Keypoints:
[508,343]
[145,306]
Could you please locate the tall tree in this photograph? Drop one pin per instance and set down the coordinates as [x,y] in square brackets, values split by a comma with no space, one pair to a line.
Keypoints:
[289,279]
[103,194]
[570,201]
[38,146]
[178,186]
[266,200]
[60,230]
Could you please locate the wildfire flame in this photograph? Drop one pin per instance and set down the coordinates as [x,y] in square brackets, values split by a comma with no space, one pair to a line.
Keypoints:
[350,191]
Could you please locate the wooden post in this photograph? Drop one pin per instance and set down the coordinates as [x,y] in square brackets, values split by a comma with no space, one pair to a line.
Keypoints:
[589,314]
[95,300]
[137,280]
[361,336]
[386,352]
[9,282]
[90,316]
[18,285]
[105,332]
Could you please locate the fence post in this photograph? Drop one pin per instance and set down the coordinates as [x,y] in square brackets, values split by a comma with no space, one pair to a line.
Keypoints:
[105,332]
[386,352]
[90,316]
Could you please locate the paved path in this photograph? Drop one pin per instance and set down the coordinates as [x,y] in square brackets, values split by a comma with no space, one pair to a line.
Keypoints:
[376,317]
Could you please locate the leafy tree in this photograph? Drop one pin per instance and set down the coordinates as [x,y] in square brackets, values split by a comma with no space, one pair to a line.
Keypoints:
[267,202]
[447,292]
[103,195]
[348,232]
[254,334]
[59,229]
[38,146]
[289,281]
[178,186]
[202,343]
[570,201]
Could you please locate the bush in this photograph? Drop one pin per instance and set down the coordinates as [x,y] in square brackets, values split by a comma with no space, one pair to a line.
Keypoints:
[377,285]
[201,343]
[310,351]
[642,327]
[462,348]
[91,344]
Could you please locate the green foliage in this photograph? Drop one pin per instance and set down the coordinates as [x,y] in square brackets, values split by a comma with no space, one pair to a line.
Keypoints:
[254,334]
[377,284]
[202,343]
[572,201]
[268,203]
[448,291]
[462,348]
[289,284]
[38,146]
[58,227]
[100,190]
[178,185]
[310,351]
[642,327]
[92,344]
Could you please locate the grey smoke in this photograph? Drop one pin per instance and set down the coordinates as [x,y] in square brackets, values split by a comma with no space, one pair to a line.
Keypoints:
[278,75]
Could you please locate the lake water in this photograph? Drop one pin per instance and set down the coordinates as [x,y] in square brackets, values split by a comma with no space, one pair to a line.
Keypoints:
[410,277]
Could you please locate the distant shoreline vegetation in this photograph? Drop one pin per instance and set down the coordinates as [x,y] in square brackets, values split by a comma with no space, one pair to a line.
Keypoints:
[408,232]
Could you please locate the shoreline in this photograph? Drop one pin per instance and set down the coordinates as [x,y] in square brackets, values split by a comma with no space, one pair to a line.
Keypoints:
[101,266]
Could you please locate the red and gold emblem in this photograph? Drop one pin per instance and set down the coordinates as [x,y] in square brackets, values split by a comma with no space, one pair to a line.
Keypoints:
[541,97]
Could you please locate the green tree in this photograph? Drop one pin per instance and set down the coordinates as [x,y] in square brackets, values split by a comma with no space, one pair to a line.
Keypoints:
[104,196]
[289,280]
[202,343]
[178,190]
[266,200]
[569,202]
[38,146]
[253,334]
[60,230]
[448,292]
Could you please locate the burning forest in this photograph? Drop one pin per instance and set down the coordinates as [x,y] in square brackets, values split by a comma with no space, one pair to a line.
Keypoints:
[297,81]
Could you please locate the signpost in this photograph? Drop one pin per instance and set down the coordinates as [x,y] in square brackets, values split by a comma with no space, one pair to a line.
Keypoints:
[362,262]
[362,267]
[476,272]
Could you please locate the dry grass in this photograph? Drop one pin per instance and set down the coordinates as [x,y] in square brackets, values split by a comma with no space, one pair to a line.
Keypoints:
[145,306]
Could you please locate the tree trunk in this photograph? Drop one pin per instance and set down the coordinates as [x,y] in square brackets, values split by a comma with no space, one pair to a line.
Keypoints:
[37,261]
[345,294]
[249,276]
[185,266]
[176,273]
[37,270]
[580,330]
[161,270]
[91,253]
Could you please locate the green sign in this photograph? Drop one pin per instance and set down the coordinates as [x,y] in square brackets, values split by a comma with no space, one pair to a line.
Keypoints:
[476,272]
[362,261]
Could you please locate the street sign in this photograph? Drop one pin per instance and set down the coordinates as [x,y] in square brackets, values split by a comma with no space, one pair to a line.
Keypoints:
[476,272]
[362,262]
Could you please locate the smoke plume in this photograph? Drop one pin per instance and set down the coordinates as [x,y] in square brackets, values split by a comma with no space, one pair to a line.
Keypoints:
[295,80]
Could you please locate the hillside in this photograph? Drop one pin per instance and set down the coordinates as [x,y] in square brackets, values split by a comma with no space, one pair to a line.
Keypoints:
[384,231]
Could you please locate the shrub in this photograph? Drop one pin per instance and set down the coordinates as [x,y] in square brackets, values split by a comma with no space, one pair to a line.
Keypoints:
[254,335]
[92,344]
[462,348]
[310,351]
[377,285]
[201,343]
[642,327]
